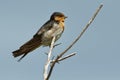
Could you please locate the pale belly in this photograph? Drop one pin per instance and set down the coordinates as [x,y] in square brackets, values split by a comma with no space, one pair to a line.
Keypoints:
[47,37]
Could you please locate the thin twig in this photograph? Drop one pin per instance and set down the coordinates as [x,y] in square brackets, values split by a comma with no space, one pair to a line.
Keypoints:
[84,29]
[70,55]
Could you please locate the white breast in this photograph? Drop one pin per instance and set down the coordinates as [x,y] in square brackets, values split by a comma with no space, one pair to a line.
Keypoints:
[55,31]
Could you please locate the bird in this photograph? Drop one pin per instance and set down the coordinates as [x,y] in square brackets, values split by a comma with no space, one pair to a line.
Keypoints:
[54,27]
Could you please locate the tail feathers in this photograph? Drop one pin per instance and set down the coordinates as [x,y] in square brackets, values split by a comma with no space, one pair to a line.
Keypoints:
[22,57]
[27,47]
[17,53]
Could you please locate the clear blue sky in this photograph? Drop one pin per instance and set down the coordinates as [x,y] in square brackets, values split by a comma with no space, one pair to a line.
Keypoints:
[98,50]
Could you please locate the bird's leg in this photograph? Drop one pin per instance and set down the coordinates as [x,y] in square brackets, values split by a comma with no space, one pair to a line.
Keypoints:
[56,45]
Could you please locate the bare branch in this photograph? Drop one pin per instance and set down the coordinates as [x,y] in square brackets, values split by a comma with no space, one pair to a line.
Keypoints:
[68,56]
[84,29]
[46,68]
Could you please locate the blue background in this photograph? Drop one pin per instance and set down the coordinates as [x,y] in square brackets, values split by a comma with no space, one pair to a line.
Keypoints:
[98,50]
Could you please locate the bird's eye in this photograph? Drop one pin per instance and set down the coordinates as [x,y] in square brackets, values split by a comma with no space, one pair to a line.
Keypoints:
[63,21]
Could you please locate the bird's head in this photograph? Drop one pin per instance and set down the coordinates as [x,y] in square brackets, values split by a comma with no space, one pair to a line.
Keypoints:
[58,16]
